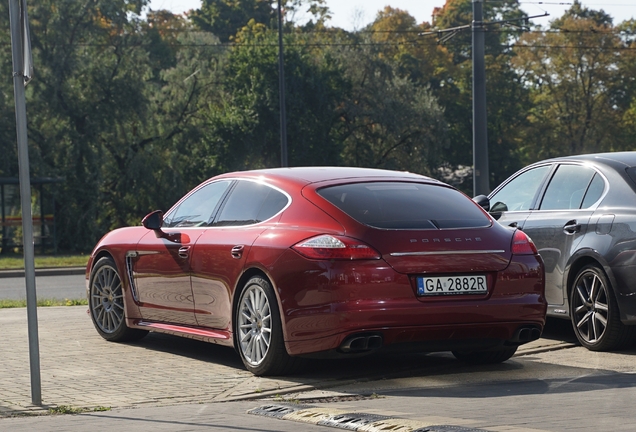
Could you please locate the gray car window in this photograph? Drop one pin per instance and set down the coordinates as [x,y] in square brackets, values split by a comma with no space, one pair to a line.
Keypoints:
[396,205]
[567,188]
[198,208]
[594,192]
[250,203]
[519,193]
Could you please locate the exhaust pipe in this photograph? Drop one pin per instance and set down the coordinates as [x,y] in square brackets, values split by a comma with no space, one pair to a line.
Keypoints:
[525,335]
[361,343]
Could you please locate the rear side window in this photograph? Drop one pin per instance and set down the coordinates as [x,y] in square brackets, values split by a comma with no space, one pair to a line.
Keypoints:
[567,188]
[396,205]
[249,203]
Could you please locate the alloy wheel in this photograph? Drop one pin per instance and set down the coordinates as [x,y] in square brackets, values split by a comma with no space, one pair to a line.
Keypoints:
[590,305]
[255,324]
[107,301]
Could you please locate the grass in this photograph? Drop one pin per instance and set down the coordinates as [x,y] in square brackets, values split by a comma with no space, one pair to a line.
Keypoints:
[8,304]
[68,409]
[16,262]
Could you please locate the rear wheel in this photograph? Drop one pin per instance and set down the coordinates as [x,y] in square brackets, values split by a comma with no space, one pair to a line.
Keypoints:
[594,312]
[493,356]
[106,303]
[258,330]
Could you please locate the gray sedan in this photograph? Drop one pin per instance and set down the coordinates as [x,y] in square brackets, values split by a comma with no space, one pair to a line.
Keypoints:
[580,211]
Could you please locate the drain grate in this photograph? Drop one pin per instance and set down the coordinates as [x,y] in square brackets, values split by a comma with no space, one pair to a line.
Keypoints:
[277,411]
[341,419]
[351,421]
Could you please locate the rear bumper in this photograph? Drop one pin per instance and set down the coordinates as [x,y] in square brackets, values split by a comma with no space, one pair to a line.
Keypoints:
[420,339]
[377,300]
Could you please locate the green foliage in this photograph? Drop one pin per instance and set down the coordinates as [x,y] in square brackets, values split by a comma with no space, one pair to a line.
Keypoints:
[11,262]
[243,130]
[133,110]
[576,86]
[388,120]
[9,304]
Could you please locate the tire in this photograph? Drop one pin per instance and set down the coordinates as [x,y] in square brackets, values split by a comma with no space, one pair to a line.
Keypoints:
[106,303]
[594,312]
[258,330]
[493,356]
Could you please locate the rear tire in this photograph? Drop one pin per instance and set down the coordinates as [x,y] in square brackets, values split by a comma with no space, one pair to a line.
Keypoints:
[594,312]
[106,303]
[493,356]
[258,330]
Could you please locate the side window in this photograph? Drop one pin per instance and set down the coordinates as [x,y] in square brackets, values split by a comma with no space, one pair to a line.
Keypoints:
[250,203]
[198,208]
[520,191]
[594,192]
[567,188]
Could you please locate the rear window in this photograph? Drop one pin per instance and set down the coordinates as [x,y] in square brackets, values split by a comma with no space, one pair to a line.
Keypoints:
[396,205]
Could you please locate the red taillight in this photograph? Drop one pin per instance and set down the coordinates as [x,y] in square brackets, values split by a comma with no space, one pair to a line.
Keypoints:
[328,247]
[522,245]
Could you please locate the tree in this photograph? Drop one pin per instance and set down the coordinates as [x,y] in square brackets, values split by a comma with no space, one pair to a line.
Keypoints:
[106,108]
[389,121]
[571,69]
[507,98]
[243,132]
[225,18]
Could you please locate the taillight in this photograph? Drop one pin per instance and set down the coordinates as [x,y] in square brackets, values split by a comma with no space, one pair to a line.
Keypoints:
[328,247]
[522,244]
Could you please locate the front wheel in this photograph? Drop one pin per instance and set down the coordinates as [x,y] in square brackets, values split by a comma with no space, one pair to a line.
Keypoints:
[106,303]
[594,312]
[493,356]
[258,329]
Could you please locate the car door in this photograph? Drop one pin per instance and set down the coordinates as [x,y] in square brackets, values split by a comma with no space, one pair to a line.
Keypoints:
[219,255]
[561,221]
[161,265]
[512,202]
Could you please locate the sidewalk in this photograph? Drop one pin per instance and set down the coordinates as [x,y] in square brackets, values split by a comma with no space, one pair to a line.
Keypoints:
[81,370]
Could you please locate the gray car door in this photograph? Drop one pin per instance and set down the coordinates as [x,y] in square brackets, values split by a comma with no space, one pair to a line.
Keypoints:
[560,222]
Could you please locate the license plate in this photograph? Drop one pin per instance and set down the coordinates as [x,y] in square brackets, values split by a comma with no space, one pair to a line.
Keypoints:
[451,285]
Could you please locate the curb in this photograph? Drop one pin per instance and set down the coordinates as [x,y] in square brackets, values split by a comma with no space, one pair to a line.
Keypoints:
[61,271]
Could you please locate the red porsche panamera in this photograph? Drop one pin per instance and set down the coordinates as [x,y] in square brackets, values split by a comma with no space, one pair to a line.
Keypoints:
[319,262]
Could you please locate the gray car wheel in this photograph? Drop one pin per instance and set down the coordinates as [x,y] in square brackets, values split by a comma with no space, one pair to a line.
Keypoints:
[594,312]
[258,330]
[106,303]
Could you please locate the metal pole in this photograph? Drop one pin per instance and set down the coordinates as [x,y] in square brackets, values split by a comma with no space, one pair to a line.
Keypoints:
[481,184]
[17,48]
[281,88]
[4,228]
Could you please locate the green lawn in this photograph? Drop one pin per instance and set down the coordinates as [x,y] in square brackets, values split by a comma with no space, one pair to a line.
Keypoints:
[11,262]
[6,304]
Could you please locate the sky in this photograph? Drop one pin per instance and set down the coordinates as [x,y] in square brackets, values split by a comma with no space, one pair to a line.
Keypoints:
[355,14]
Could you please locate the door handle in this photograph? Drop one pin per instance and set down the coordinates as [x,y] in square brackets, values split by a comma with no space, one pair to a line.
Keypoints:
[571,227]
[237,251]
[184,252]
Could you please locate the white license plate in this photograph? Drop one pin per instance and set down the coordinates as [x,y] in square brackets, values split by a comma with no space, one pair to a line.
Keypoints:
[451,285]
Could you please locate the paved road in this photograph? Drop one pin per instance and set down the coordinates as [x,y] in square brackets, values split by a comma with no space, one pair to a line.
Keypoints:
[47,287]
[168,383]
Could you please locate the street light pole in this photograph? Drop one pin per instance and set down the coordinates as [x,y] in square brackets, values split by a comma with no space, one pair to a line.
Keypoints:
[281,88]
[481,185]
[21,53]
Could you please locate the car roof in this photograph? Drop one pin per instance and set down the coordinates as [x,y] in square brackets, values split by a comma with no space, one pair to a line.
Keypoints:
[328,173]
[613,159]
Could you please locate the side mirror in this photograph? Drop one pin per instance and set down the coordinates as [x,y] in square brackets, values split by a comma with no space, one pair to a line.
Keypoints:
[154,221]
[483,201]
